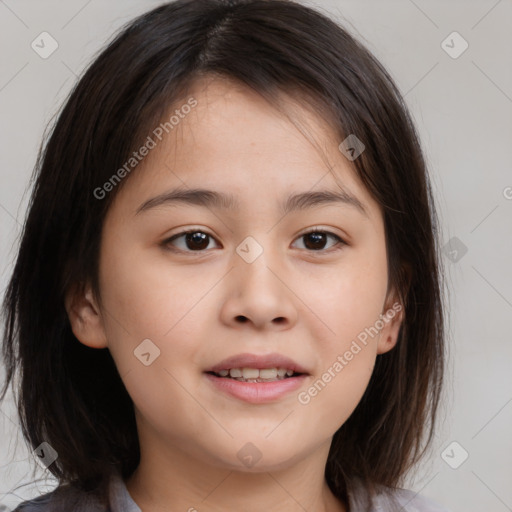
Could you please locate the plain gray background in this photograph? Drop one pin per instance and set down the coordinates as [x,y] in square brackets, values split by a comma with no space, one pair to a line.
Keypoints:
[462,107]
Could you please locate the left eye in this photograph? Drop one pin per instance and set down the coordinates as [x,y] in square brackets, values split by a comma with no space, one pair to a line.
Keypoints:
[318,238]
[197,241]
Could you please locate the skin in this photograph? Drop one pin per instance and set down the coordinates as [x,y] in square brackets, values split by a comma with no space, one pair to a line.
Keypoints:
[190,303]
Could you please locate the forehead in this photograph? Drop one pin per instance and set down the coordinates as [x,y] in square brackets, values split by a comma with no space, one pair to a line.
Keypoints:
[234,141]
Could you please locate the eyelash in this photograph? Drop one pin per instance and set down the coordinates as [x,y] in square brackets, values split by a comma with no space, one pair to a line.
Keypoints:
[340,242]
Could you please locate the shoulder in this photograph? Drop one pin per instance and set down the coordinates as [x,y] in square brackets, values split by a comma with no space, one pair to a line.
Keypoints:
[408,501]
[64,499]
[388,499]
[42,503]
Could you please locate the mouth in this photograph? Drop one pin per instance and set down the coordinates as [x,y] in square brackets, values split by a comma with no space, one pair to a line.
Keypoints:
[257,368]
[256,374]
[256,378]
[256,391]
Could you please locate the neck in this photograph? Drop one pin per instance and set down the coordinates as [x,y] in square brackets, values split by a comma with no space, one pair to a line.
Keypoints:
[171,479]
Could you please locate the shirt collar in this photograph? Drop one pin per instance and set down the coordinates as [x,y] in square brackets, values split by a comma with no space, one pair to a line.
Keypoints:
[121,501]
[119,497]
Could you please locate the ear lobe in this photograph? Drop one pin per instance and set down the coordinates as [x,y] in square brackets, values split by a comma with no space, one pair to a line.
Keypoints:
[85,317]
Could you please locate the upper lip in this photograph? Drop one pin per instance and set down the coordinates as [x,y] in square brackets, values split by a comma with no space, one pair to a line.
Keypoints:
[247,360]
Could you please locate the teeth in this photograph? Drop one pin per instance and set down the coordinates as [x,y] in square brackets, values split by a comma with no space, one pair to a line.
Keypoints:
[249,373]
[268,373]
[255,373]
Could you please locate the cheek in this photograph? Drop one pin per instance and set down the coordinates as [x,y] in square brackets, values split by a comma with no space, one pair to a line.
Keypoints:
[335,391]
[144,299]
[350,305]
[347,300]
[148,293]
[153,303]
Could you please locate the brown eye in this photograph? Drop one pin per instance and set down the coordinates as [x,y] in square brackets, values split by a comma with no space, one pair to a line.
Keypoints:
[193,240]
[316,240]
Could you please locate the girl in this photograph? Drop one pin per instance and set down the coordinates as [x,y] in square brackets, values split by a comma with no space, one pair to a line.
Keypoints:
[228,290]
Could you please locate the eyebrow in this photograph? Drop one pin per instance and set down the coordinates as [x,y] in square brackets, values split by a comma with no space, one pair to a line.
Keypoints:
[221,200]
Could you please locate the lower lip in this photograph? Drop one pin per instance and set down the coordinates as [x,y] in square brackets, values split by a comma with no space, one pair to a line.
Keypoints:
[257,392]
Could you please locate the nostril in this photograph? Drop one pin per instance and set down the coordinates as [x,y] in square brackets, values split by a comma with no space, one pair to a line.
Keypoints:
[242,318]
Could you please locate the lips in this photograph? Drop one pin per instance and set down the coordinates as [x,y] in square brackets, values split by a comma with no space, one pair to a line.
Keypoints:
[256,393]
[247,360]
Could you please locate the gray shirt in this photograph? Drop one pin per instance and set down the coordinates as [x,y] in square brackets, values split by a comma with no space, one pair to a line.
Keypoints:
[69,500]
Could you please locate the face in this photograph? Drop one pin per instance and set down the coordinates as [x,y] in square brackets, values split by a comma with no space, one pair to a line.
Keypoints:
[251,280]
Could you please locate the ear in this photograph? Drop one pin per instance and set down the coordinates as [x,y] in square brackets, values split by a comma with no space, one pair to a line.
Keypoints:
[85,317]
[393,313]
[392,317]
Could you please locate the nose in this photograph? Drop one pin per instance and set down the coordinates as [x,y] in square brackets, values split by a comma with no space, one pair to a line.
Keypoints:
[259,296]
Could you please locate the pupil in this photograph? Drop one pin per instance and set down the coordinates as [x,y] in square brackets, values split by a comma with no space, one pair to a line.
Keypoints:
[318,239]
[197,238]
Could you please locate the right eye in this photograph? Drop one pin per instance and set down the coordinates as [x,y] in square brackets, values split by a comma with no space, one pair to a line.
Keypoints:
[194,240]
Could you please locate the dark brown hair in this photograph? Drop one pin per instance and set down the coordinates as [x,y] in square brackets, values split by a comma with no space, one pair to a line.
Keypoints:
[275,47]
